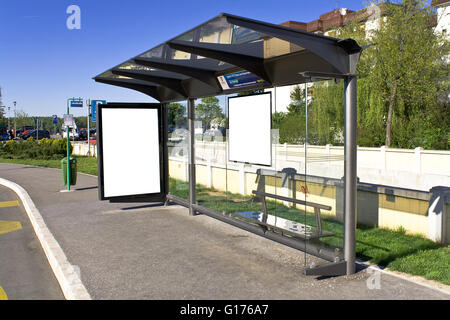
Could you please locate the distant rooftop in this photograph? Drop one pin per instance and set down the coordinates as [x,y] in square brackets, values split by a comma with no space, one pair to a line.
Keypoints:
[341,17]
[438,3]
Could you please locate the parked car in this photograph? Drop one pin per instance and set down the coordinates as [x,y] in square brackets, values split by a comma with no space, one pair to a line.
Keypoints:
[82,135]
[25,132]
[22,130]
[36,134]
[4,136]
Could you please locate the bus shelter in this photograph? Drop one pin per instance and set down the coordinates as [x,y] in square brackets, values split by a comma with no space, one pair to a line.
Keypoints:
[225,55]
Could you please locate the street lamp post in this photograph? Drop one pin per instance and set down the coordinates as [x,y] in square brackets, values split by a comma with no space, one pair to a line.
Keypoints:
[68,152]
[15,102]
[9,122]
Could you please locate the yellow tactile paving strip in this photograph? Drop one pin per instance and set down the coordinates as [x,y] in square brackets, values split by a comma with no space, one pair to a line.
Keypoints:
[6,227]
[3,295]
[4,204]
[9,226]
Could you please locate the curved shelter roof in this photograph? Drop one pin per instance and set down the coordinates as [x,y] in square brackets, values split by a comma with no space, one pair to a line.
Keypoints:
[229,54]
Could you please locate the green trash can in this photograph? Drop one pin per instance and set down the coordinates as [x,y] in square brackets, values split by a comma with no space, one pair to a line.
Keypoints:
[72,170]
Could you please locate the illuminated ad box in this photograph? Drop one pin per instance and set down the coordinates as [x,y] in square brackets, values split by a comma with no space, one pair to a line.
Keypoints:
[131,152]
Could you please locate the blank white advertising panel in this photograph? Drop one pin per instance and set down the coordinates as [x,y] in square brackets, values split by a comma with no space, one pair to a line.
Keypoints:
[249,135]
[131,152]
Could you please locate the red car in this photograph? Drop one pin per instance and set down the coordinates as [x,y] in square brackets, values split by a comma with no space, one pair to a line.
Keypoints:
[26,131]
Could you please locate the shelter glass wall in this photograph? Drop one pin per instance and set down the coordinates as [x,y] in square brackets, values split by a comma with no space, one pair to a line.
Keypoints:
[324,182]
[178,143]
[303,168]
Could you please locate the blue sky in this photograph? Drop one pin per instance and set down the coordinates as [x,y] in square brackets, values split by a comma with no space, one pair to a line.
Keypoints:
[42,62]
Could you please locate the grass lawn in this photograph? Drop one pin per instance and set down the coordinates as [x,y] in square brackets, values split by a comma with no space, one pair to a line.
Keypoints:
[393,249]
[84,164]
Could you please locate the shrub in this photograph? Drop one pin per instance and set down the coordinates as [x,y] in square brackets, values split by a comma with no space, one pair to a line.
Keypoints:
[59,146]
[31,149]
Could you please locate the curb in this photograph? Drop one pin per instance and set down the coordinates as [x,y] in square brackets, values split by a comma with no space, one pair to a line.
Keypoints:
[65,273]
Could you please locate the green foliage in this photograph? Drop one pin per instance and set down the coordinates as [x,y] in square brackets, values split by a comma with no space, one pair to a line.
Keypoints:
[31,149]
[292,128]
[277,118]
[84,164]
[409,70]
[208,110]
[176,114]
[403,88]
[297,104]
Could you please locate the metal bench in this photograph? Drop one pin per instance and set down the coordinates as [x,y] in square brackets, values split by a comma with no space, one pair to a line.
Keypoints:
[302,231]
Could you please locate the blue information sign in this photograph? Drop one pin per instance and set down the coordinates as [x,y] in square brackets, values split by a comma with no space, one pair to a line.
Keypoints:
[238,79]
[76,103]
[94,108]
[55,119]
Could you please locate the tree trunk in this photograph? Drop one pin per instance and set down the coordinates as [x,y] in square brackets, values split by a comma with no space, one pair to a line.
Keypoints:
[390,113]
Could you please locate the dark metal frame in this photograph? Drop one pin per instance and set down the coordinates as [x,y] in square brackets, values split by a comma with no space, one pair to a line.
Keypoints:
[163,159]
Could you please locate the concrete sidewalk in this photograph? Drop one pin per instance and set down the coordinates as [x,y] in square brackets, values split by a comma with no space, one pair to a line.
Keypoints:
[138,251]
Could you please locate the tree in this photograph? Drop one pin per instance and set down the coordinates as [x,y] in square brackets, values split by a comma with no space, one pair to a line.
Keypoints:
[297,104]
[402,89]
[23,119]
[176,114]
[207,110]
[409,68]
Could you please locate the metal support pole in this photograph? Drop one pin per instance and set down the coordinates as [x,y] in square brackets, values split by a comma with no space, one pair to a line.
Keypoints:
[165,131]
[191,154]
[350,166]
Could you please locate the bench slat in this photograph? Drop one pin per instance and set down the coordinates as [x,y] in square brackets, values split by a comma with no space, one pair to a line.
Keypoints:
[312,235]
[275,196]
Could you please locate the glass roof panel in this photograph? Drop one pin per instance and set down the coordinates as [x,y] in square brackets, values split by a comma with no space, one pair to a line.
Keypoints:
[230,37]
[154,53]
[130,66]
[229,45]
[109,75]
[216,31]
[133,66]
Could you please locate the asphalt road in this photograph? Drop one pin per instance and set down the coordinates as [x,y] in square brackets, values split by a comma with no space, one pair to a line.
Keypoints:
[24,271]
